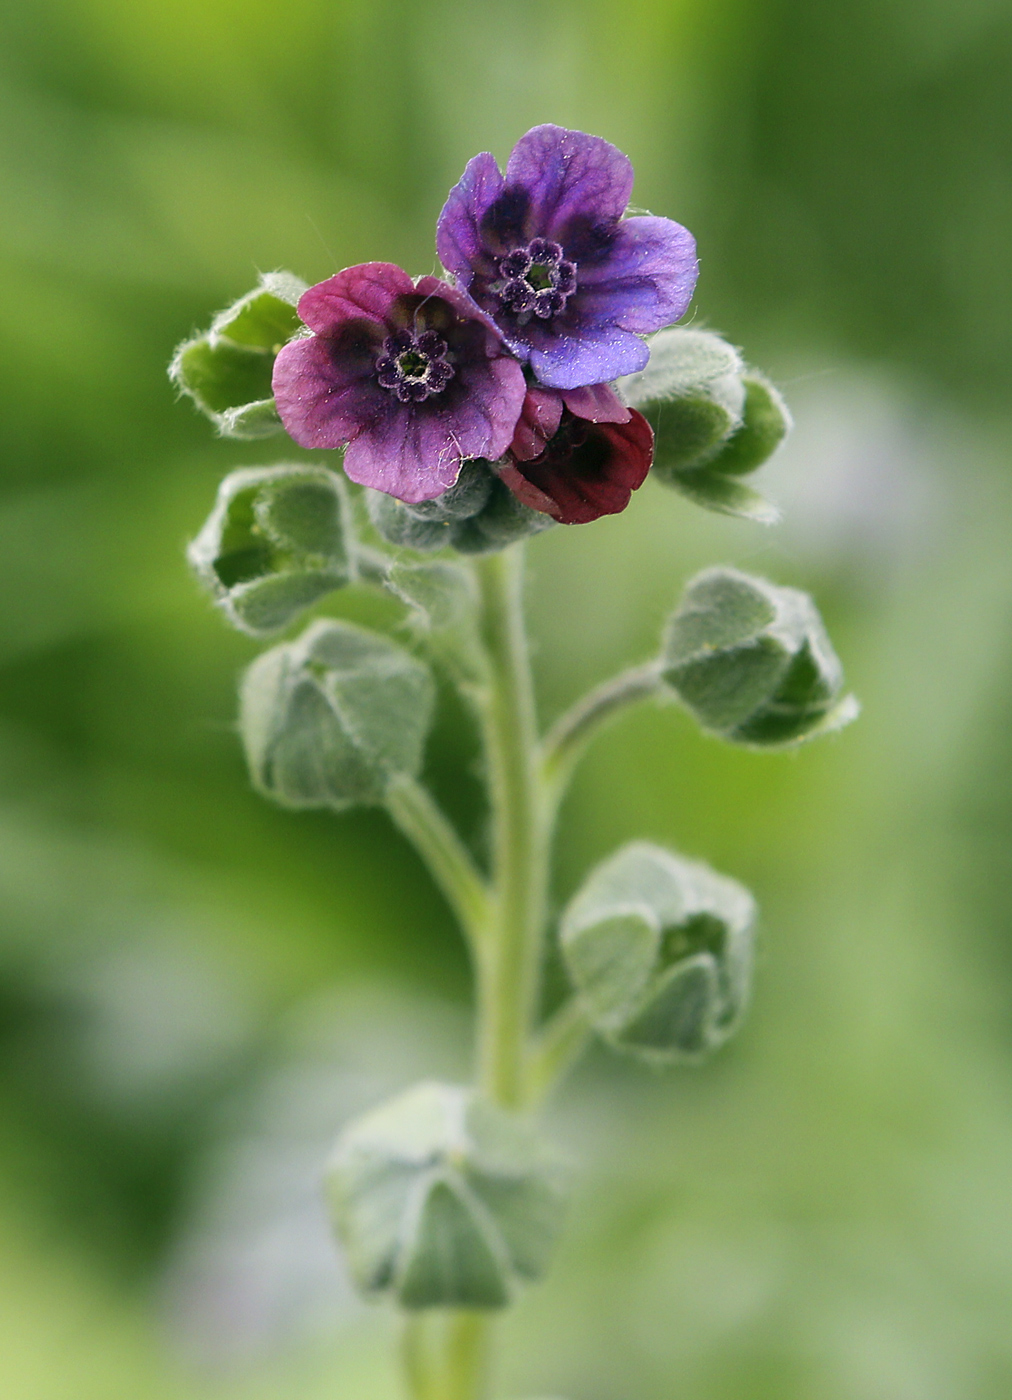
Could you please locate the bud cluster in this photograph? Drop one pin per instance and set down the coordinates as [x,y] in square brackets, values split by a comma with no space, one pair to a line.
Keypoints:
[752,661]
[659,949]
[714,420]
[444,1200]
[227,371]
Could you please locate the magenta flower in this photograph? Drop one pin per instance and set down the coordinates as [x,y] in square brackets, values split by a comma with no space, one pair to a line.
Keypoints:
[578,454]
[411,376]
[546,253]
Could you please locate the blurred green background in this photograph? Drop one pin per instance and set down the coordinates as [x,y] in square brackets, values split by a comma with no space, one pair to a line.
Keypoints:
[195,989]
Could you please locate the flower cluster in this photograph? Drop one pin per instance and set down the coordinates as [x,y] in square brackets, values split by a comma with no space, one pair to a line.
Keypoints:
[510,362]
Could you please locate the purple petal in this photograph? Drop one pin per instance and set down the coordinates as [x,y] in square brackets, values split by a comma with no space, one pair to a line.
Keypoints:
[597,403]
[414,451]
[462,305]
[583,355]
[369,290]
[323,400]
[407,453]
[486,419]
[569,175]
[538,423]
[647,279]
[458,237]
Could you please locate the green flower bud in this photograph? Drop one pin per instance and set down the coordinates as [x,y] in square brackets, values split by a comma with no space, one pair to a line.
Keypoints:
[478,515]
[660,951]
[692,395]
[331,719]
[274,544]
[444,1200]
[752,661]
[713,420]
[227,371]
[501,521]
[766,421]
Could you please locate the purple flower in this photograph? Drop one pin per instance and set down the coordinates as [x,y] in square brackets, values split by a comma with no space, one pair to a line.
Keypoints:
[410,375]
[578,454]
[546,253]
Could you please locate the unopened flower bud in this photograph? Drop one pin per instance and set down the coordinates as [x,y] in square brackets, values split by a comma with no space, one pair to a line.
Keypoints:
[331,719]
[766,421]
[274,544]
[752,661]
[714,420]
[227,371]
[659,949]
[444,1200]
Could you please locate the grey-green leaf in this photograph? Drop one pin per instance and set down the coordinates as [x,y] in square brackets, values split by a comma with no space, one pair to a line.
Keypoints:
[330,719]
[276,542]
[453,1261]
[659,949]
[444,1200]
[752,661]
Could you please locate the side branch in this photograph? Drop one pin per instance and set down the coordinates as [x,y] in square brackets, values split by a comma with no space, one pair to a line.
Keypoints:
[570,735]
[561,1042]
[423,822]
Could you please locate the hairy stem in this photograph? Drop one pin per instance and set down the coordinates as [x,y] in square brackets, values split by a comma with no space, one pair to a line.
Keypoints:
[508,975]
[423,822]
[573,731]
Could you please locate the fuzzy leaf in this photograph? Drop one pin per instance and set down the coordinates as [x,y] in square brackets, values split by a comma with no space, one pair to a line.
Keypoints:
[722,494]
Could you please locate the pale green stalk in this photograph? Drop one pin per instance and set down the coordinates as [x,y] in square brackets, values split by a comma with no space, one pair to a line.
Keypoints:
[508,977]
[517,1066]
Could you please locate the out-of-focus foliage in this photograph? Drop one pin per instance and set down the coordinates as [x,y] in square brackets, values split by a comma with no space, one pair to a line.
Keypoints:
[819,1213]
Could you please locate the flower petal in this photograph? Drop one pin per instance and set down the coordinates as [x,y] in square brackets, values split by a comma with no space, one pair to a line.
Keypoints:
[647,279]
[578,355]
[368,289]
[414,451]
[323,397]
[458,235]
[462,304]
[407,453]
[569,175]
[538,423]
[598,403]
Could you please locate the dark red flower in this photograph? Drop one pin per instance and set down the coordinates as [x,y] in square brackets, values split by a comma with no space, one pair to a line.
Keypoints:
[577,455]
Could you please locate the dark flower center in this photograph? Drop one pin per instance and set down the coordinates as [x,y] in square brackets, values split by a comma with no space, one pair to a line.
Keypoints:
[414,366]
[536,280]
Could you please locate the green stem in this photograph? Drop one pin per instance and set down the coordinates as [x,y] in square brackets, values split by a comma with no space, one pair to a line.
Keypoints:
[559,1044]
[508,974]
[570,735]
[446,1355]
[422,821]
